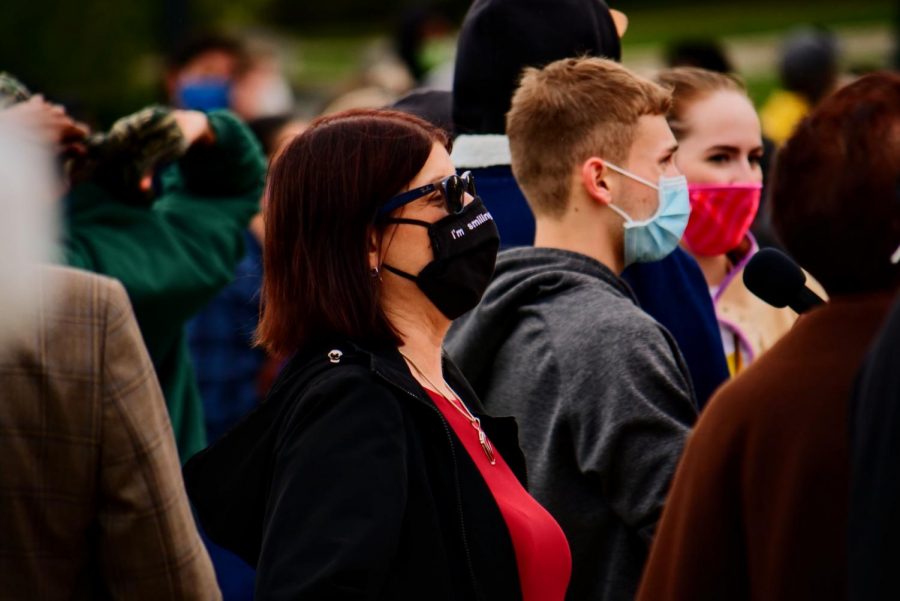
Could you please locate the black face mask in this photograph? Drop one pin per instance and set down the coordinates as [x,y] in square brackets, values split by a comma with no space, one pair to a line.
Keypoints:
[465,250]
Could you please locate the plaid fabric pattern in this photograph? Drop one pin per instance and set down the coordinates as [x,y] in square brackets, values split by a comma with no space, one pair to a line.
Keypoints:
[221,338]
[92,504]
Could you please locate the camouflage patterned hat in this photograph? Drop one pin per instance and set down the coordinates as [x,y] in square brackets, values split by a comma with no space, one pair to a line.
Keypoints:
[134,146]
[12,91]
[149,137]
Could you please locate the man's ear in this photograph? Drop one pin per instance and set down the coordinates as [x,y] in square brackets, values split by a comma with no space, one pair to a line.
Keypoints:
[595,179]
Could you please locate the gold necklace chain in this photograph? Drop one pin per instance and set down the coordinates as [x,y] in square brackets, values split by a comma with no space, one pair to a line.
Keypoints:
[461,408]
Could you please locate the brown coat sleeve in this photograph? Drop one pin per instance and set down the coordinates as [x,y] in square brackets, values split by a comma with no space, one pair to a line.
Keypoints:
[148,542]
[698,551]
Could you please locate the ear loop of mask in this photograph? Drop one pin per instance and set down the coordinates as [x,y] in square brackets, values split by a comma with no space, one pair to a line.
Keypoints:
[376,271]
[382,264]
[626,173]
[628,220]
[401,220]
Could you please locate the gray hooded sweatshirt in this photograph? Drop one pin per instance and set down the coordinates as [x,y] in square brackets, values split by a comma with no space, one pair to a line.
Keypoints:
[602,396]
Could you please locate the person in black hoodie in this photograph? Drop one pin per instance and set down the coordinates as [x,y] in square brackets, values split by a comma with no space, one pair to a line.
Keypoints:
[500,38]
[370,471]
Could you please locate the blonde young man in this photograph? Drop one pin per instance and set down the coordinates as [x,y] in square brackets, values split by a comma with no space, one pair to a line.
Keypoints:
[600,390]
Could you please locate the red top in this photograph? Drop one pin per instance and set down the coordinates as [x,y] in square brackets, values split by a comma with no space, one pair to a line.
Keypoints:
[542,551]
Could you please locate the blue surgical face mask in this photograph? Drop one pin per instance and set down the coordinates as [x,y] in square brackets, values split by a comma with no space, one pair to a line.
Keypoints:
[204,94]
[655,238]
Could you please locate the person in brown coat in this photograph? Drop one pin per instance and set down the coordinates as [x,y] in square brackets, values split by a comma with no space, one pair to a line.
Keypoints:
[92,504]
[758,507]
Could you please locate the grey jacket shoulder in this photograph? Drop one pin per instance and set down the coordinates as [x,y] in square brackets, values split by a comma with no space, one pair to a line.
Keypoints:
[576,306]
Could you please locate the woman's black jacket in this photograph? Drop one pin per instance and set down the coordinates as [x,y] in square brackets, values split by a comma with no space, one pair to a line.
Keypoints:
[348,483]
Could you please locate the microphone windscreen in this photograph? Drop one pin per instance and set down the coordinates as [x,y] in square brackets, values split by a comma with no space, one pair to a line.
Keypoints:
[774,277]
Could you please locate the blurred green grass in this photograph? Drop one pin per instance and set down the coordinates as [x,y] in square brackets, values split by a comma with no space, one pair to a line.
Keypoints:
[662,25]
[759,88]
[652,30]
[325,60]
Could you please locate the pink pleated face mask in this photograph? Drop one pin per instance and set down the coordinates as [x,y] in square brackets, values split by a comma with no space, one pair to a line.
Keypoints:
[721,214]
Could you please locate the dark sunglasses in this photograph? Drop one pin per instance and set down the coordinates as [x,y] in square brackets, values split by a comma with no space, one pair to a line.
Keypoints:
[453,189]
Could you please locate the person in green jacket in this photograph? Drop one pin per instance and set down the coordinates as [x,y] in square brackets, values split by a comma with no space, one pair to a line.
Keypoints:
[172,250]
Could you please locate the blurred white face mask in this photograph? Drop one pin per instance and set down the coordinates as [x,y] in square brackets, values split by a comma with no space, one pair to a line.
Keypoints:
[275,98]
[261,94]
[895,258]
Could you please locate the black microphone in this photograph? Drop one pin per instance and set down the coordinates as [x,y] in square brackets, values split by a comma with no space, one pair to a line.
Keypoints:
[776,279]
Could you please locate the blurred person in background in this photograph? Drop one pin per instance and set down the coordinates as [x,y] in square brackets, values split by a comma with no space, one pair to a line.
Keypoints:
[600,391]
[434,106]
[720,152]
[93,501]
[759,505]
[498,39]
[212,71]
[275,131]
[808,70]
[424,41]
[701,53]
[233,374]
[201,71]
[262,89]
[370,471]
[380,81]
[173,245]
[364,97]
[160,203]
[230,369]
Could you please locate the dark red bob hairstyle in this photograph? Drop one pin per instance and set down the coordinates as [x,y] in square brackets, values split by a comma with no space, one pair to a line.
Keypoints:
[322,195]
[835,191]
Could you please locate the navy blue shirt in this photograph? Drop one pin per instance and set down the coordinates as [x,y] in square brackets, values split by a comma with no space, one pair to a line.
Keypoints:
[675,293]
[221,343]
[501,195]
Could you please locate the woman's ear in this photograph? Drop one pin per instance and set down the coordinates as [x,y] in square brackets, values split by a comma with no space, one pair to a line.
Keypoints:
[374,251]
[595,179]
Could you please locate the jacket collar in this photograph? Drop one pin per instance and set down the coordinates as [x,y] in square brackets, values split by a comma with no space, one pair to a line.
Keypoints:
[386,363]
[546,263]
[479,151]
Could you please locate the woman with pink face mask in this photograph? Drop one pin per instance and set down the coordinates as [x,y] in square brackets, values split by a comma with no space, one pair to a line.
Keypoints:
[720,148]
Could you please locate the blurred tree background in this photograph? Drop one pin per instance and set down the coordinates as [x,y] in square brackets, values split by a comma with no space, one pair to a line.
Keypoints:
[106,58]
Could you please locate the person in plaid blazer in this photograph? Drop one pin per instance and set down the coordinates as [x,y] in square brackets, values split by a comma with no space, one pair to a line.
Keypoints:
[92,504]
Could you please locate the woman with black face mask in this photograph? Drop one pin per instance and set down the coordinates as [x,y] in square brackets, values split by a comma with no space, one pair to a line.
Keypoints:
[371,472]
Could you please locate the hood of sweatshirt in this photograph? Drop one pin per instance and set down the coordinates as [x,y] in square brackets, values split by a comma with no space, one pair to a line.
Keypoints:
[499,38]
[523,278]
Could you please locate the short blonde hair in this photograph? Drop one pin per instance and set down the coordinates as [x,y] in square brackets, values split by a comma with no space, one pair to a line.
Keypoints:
[569,111]
[690,84]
